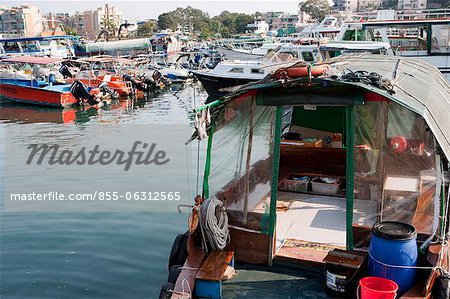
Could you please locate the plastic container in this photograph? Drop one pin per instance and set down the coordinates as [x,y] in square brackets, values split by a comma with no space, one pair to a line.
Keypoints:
[343,270]
[324,188]
[393,253]
[295,185]
[377,288]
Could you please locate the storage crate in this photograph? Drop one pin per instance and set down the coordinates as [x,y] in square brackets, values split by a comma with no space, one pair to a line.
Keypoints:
[291,185]
[325,188]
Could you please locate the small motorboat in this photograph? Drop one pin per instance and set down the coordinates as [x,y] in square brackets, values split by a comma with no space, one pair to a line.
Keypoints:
[232,73]
[33,80]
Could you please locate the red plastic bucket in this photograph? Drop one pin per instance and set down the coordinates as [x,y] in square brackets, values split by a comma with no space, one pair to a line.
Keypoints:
[377,288]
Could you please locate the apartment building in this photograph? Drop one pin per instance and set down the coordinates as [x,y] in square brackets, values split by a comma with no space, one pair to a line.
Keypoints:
[411,4]
[20,21]
[88,23]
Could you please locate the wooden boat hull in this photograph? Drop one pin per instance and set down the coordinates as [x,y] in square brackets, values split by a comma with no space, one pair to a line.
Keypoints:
[36,96]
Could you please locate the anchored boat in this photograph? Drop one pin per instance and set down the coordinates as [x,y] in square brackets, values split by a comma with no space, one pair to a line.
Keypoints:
[35,80]
[231,73]
[300,170]
[35,88]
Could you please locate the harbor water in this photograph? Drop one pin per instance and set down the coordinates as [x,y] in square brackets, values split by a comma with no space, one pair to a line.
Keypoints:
[89,254]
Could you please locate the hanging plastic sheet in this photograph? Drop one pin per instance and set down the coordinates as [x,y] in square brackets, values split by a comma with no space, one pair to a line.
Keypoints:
[410,171]
[241,155]
[395,168]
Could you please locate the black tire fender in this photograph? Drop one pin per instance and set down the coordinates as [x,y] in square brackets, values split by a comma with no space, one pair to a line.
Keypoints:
[178,254]
[174,272]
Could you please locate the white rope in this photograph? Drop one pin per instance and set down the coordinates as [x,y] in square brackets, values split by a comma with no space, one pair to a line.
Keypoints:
[214,223]
[186,295]
[400,266]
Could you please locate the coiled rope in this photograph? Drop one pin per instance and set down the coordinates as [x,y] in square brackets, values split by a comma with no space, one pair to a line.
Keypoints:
[214,224]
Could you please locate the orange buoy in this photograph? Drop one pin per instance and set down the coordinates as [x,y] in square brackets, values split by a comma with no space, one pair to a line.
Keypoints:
[298,72]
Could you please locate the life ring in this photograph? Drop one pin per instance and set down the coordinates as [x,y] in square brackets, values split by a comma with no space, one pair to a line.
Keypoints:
[298,72]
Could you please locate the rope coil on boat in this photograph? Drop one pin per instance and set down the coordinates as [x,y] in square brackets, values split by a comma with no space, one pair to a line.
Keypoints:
[214,224]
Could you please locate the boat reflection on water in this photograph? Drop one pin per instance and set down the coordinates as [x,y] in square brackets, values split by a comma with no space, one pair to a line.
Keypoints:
[16,113]
[11,112]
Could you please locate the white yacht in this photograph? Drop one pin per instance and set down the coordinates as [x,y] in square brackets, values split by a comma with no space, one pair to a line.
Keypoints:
[237,72]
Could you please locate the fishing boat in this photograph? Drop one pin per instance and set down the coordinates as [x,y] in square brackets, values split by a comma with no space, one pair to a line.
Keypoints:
[312,170]
[39,85]
[231,73]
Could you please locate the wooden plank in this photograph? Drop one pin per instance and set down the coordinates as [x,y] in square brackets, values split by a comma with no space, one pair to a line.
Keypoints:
[303,253]
[348,259]
[215,265]
[329,161]
[249,247]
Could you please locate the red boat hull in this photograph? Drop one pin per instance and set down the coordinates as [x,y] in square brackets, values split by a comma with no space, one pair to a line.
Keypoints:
[37,96]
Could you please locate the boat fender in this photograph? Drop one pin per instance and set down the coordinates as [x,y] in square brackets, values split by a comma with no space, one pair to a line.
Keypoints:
[441,288]
[178,254]
[174,272]
[298,72]
[166,290]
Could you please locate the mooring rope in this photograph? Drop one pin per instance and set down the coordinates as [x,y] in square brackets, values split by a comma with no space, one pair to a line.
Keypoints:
[214,224]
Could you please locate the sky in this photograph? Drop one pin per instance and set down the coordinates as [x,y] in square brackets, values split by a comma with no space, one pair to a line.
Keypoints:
[150,9]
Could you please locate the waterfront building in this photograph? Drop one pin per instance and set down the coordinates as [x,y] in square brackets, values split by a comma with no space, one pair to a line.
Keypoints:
[20,21]
[258,27]
[346,5]
[88,23]
[411,4]
[279,20]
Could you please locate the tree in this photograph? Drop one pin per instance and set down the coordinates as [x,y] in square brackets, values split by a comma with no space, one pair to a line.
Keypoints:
[188,18]
[389,4]
[167,20]
[109,25]
[242,20]
[146,29]
[70,31]
[317,9]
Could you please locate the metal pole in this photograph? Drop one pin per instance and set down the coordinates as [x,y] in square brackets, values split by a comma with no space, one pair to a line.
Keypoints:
[350,173]
[274,183]
[247,164]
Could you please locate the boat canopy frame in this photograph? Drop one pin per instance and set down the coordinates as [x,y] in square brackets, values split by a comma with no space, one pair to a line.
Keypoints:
[310,91]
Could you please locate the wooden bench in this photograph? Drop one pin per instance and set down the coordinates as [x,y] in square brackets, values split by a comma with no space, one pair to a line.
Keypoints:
[208,281]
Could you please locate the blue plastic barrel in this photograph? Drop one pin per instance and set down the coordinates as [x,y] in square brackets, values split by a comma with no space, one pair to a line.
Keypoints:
[393,253]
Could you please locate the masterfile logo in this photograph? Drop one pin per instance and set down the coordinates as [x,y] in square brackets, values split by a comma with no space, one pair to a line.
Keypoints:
[141,153]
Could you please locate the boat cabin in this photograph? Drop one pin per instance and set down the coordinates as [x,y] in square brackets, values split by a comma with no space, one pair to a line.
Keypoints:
[304,165]
[52,46]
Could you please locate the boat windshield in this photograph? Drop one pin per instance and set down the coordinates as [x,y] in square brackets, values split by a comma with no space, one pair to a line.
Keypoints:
[440,39]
